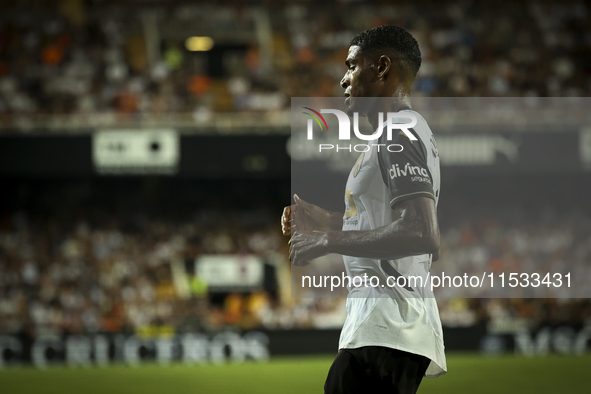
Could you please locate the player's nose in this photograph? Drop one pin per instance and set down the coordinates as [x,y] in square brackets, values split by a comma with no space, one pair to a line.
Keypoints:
[345,81]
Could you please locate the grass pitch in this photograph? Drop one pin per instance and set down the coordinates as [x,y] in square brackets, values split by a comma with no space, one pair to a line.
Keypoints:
[468,373]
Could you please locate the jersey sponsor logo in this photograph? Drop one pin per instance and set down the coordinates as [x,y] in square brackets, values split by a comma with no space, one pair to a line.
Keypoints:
[421,179]
[350,222]
[407,170]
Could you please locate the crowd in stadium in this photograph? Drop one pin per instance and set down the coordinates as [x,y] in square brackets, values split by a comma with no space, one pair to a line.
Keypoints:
[89,270]
[81,59]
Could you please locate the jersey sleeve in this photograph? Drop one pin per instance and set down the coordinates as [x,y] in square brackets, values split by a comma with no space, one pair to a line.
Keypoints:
[405,173]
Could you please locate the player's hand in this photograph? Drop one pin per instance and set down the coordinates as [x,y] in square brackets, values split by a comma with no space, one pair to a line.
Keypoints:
[286,220]
[305,245]
[304,216]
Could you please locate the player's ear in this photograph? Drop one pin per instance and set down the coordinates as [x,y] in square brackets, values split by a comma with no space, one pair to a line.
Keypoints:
[384,65]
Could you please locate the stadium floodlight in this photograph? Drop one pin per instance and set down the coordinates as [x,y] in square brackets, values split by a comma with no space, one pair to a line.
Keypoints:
[199,44]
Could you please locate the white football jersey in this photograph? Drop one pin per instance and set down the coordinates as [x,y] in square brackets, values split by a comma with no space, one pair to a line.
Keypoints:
[400,317]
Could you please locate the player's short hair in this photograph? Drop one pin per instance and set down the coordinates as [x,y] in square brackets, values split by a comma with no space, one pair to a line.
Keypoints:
[394,38]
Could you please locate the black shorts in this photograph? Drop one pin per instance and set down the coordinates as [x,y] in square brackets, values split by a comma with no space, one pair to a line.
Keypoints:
[375,369]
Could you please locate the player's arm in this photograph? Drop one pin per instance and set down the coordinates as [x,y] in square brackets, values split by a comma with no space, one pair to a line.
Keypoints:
[305,216]
[414,229]
[414,232]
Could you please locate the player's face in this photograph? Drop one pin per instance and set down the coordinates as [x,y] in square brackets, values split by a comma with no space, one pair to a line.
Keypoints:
[359,80]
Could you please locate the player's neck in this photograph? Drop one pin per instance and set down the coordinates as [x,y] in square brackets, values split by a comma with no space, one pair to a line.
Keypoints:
[399,102]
